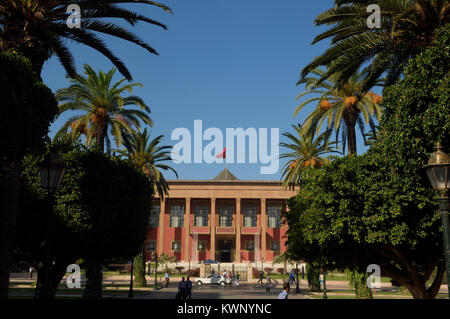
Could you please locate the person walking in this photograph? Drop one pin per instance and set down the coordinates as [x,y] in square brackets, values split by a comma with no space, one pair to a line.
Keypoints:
[284,294]
[268,283]
[237,279]
[225,274]
[30,270]
[292,277]
[167,278]
[181,290]
[261,277]
[321,280]
[188,288]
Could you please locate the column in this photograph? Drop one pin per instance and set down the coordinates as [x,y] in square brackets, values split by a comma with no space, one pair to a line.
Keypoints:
[238,230]
[162,211]
[212,245]
[187,223]
[263,228]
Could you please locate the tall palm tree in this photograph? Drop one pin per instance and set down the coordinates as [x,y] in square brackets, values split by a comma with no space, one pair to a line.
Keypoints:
[149,156]
[407,27]
[344,106]
[306,151]
[38,29]
[103,107]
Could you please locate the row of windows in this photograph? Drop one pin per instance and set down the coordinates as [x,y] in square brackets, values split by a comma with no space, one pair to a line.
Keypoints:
[225,216]
[201,245]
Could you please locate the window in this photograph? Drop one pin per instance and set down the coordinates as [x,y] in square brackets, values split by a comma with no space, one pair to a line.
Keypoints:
[201,216]
[275,245]
[225,216]
[201,245]
[153,219]
[176,216]
[250,216]
[274,216]
[176,246]
[151,245]
[250,245]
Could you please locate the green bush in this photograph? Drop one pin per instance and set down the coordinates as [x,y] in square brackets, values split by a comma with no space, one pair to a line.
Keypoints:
[312,275]
[139,272]
[358,281]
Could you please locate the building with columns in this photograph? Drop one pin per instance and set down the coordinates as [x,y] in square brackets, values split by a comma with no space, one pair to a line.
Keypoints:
[224,219]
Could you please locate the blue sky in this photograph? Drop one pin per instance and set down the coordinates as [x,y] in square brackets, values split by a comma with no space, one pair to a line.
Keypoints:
[228,63]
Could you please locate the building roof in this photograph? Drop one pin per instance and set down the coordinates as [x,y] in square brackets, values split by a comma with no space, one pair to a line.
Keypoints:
[225,175]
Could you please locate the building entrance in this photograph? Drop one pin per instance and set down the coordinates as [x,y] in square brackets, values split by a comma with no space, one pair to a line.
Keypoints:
[224,249]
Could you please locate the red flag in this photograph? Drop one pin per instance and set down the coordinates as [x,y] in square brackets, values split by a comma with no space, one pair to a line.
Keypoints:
[223,154]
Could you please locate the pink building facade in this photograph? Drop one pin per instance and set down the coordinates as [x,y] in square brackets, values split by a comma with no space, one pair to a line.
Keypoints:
[224,219]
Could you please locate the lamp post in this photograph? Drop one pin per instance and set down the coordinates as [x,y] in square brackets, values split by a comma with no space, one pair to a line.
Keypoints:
[297,288]
[130,293]
[438,168]
[52,171]
[155,256]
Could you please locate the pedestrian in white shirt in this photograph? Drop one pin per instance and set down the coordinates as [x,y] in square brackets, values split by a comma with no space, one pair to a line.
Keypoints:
[285,292]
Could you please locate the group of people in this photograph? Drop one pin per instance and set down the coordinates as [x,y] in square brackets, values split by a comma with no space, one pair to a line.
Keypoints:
[185,285]
[234,276]
[184,289]
[286,286]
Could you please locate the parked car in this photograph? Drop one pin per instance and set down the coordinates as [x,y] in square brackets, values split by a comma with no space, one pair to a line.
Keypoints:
[213,280]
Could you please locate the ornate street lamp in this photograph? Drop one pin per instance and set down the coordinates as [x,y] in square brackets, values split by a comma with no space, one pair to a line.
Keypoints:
[438,168]
[52,171]
[130,293]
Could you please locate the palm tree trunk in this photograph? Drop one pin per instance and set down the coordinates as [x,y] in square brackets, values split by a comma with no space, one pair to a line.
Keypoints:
[350,117]
[9,196]
[94,276]
[100,134]
[28,45]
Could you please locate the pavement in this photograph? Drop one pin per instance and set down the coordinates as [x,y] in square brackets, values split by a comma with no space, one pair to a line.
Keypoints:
[246,290]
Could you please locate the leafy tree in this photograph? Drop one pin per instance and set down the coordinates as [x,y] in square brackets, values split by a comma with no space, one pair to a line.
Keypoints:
[38,29]
[147,156]
[27,107]
[100,212]
[307,152]
[407,28]
[103,106]
[379,208]
[343,108]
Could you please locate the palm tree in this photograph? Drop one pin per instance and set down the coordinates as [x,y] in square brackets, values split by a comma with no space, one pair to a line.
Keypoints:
[282,259]
[38,29]
[345,106]
[407,28]
[306,152]
[103,107]
[148,156]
